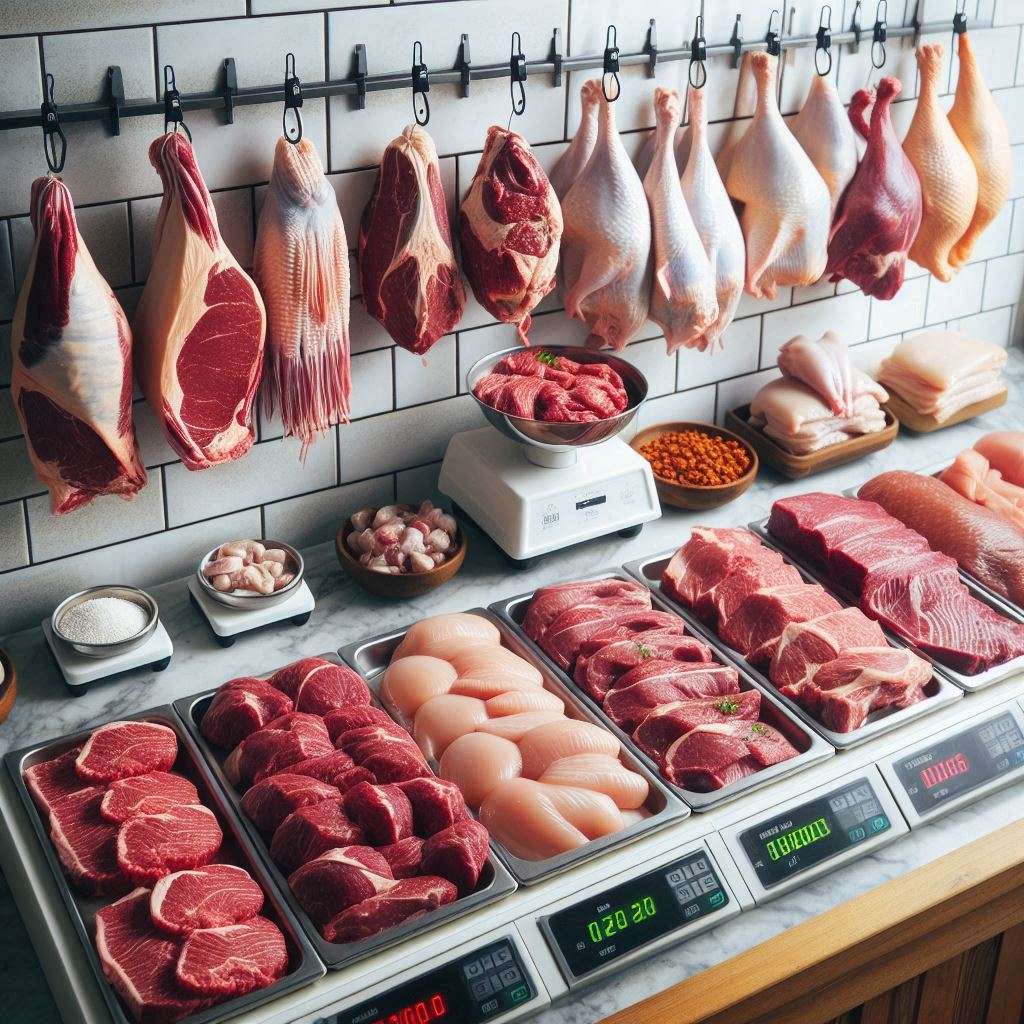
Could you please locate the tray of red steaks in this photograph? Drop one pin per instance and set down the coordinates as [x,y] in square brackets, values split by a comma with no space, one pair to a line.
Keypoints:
[707,727]
[178,918]
[829,663]
[367,846]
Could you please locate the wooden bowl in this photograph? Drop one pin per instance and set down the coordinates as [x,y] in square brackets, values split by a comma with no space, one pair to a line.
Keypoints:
[696,498]
[9,687]
[410,584]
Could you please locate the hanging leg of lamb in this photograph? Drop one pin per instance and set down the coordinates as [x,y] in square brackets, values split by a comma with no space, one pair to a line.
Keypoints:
[200,322]
[510,226]
[879,214]
[786,210]
[683,301]
[301,266]
[71,377]
[571,163]
[411,282]
[606,258]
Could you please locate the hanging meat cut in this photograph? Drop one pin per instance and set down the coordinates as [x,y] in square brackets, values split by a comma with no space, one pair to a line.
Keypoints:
[71,374]
[411,282]
[300,264]
[200,322]
[510,227]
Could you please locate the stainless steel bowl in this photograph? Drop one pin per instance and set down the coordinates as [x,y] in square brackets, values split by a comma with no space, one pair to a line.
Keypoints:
[563,437]
[246,600]
[107,650]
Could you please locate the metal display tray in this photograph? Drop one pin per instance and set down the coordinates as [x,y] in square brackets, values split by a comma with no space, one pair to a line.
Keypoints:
[495,882]
[970,684]
[304,967]
[939,692]
[370,657]
[812,748]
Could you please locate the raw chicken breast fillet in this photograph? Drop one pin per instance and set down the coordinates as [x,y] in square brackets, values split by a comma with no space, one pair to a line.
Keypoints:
[601,774]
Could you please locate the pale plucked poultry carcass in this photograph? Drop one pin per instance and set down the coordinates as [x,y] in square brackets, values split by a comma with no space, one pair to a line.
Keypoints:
[300,264]
[786,211]
[606,250]
[200,322]
[824,131]
[715,220]
[981,127]
[949,182]
[824,366]
[410,278]
[569,165]
[683,301]
[510,226]
[880,212]
[71,375]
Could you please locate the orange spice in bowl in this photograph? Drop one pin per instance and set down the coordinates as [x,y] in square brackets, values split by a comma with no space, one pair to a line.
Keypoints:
[696,459]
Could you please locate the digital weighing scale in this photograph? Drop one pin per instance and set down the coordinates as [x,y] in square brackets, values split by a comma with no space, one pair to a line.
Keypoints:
[537,487]
[227,624]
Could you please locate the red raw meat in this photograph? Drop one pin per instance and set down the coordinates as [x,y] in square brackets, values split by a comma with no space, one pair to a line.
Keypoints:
[626,629]
[342,721]
[628,706]
[549,602]
[457,853]
[750,571]
[338,879]
[150,846]
[205,897]
[146,794]
[121,749]
[233,959]
[704,561]
[330,768]
[50,781]
[85,843]
[406,899]
[318,686]
[404,857]
[139,962]
[436,804]
[712,756]
[813,524]
[370,739]
[286,740]
[411,281]
[311,831]
[872,547]
[239,708]
[271,800]
[667,723]
[565,636]
[878,215]
[396,763]
[384,813]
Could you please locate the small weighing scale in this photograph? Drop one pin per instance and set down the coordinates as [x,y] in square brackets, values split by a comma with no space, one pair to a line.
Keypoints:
[227,624]
[537,487]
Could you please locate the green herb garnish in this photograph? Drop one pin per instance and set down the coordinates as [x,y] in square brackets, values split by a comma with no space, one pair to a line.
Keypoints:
[758,727]
[728,706]
[645,651]
[547,357]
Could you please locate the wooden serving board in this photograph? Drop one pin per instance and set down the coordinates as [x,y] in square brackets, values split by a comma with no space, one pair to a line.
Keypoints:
[795,467]
[921,424]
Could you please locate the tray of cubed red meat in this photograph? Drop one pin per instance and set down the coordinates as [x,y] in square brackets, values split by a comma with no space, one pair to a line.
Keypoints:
[367,845]
[175,911]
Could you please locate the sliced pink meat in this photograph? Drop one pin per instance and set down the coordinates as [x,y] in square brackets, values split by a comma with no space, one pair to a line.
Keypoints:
[150,846]
[85,843]
[550,602]
[204,897]
[408,898]
[121,749]
[628,706]
[51,781]
[233,959]
[151,793]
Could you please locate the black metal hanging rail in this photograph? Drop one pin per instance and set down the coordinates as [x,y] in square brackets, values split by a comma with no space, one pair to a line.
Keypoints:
[114,107]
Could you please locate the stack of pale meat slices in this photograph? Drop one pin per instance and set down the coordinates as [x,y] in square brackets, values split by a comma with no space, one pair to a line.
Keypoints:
[544,783]
[833,661]
[189,934]
[656,682]
[900,581]
[368,837]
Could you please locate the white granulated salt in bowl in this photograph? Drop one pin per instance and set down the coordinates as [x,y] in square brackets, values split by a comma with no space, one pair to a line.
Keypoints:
[103,620]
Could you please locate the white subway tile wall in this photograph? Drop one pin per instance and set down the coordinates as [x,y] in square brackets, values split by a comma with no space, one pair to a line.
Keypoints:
[404,407]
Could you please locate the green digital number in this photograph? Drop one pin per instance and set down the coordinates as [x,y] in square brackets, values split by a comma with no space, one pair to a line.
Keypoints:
[594,931]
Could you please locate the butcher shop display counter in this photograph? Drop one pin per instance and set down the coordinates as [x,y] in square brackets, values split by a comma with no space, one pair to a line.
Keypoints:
[905,845]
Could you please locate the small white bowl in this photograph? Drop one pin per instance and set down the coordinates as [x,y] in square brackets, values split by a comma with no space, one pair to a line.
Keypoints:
[107,650]
[248,600]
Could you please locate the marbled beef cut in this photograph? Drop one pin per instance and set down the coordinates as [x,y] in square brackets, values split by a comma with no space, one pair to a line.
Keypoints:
[150,846]
[85,843]
[310,831]
[233,959]
[408,898]
[239,708]
[272,799]
[119,750]
[338,879]
[51,781]
[204,897]
[146,794]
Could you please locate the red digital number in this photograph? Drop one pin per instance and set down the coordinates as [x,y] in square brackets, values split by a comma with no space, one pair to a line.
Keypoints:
[421,1012]
[943,771]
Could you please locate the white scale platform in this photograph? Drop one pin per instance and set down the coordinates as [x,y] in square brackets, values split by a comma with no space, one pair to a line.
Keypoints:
[79,670]
[227,624]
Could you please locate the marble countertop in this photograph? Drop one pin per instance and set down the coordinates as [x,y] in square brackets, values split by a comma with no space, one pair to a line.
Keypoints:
[345,613]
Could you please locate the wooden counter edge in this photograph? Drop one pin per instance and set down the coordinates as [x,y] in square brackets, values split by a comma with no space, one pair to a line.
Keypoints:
[859,948]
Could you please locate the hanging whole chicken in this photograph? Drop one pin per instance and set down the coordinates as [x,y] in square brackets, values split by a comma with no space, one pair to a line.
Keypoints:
[570,164]
[200,322]
[880,212]
[510,226]
[786,210]
[300,264]
[410,279]
[71,376]
[606,250]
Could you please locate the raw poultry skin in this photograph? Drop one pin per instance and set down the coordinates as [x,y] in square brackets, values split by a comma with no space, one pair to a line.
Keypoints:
[971,476]
[786,211]
[949,181]
[571,163]
[606,249]
[71,364]
[981,127]
[823,365]
[880,213]
[1005,451]
[683,300]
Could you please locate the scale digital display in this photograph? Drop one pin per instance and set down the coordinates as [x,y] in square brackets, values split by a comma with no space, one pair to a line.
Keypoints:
[934,775]
[475,988]
[602,928]
[779,848]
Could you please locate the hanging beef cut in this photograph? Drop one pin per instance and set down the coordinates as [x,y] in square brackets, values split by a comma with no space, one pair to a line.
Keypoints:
[411,282]
[200,321]
[71,376]
[510,227]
